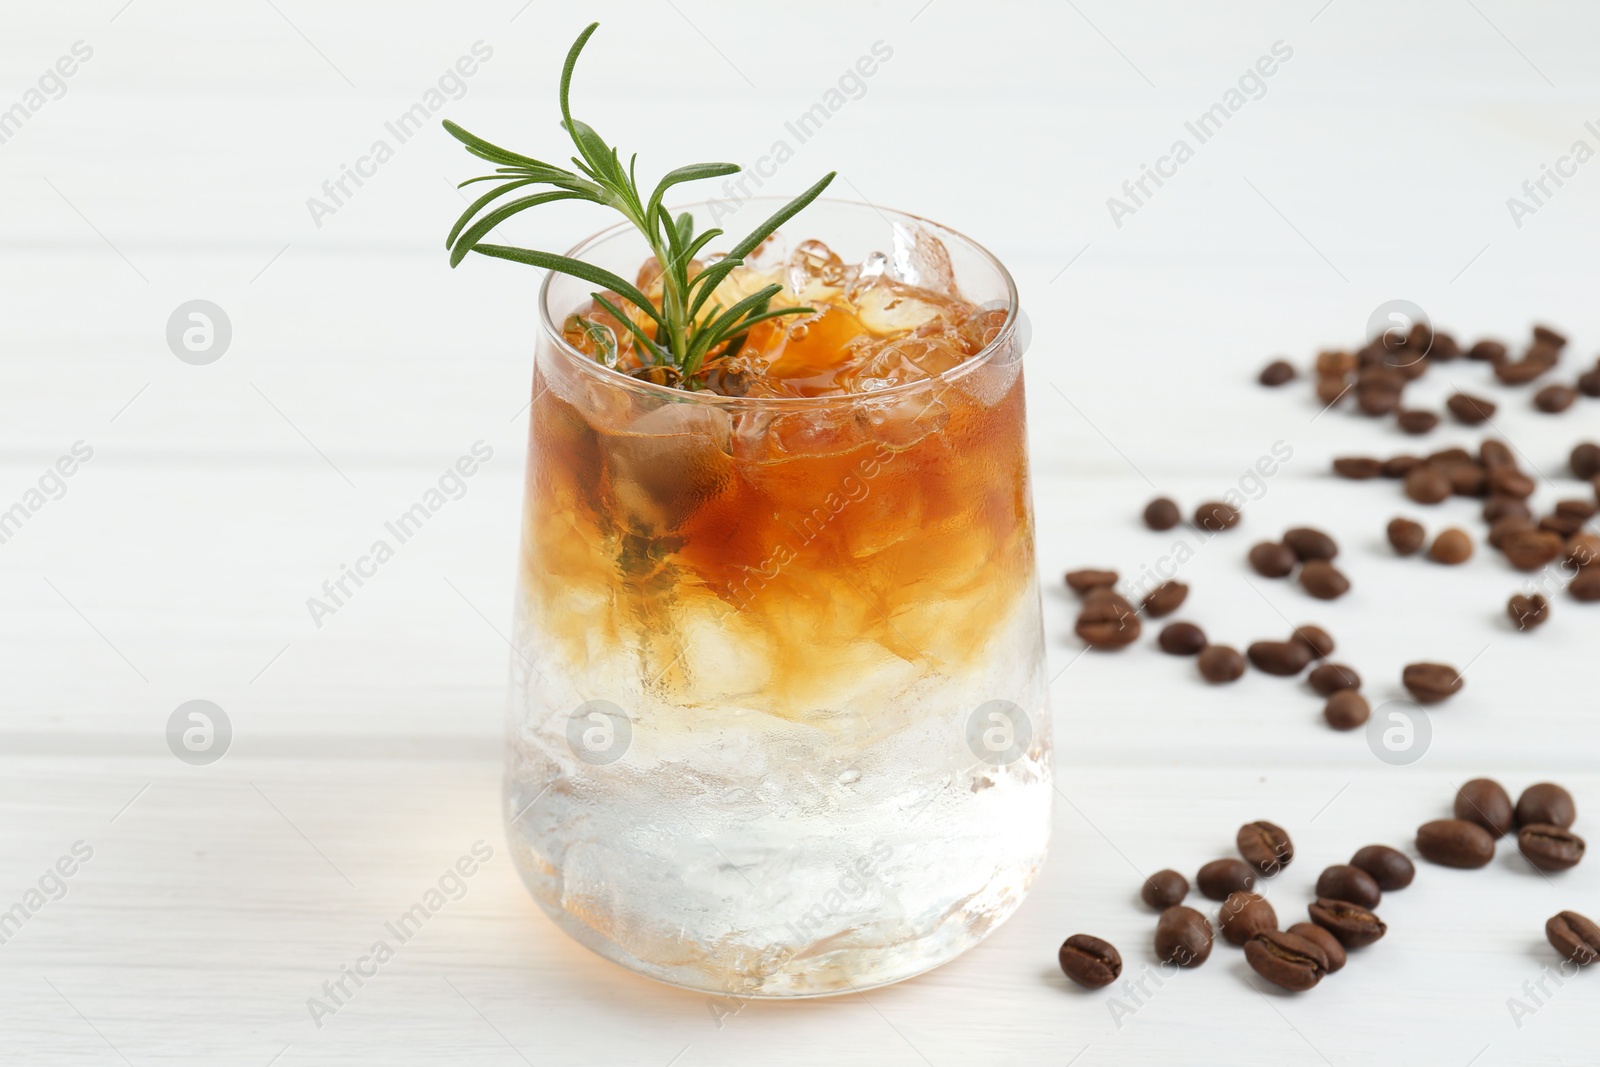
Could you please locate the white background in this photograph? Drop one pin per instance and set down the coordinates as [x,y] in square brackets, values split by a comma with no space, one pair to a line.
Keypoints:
[365,756]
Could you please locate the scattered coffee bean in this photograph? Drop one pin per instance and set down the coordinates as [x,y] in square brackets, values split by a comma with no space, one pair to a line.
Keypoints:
[1550,848]
[1528,550]
[1416,422]
[1377,400]
[1359,468]
[1277,373]
[1554,399]
[1467,479]
[1329,678]
[1451,547]
[1220,879]
[1183,936]
[1585,460]
[1522,371]
[1353,925]
[1164,889]
[1485,801]
[1335,363]
[1307,543]
[1528,611]
[1545,337]
[1323,580]
[1182,639]
[1107,621]
[1575,936]
[1586,586]
[1318,641]
[1089,961]
[1331,388]
[1495,453]
[1347,882]
[1430,683]
[1470,410]
[1325,941]
[1244,915]
[1286,960]
[1272,560]
[1582,550]
[1346,710]
[1265,846]
[1406,536]
[1546,803]
[1562,526]
[1427,484]
[1083,581]
[1455,843]
[1500,507]
[1282,658]
[1400,466]
[1508,481]
[1578,509]
[1487,351]
[1165,598]
[1221,663]
[1389,867]
[1216,517]
[1161,514]
[1589,382]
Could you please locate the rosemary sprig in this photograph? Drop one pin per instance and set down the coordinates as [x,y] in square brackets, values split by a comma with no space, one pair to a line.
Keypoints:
[682,332]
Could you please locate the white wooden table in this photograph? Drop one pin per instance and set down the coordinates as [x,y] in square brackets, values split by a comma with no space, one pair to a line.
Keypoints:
[176,165]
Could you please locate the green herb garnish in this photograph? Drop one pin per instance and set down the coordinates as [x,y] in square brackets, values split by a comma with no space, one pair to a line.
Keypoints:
[678,335]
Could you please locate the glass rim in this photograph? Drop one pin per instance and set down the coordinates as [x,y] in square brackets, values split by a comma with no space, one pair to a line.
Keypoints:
[982,358]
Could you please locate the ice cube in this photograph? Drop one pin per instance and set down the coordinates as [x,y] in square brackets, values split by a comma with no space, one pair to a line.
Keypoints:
[671,461]
[815,271]
[920,259]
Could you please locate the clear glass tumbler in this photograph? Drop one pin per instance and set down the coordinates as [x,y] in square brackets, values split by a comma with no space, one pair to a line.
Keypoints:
[779,721]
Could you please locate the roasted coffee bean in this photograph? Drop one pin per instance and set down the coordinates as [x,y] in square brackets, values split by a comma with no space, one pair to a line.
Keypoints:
[1330,678]
[1546,803]
[1344,881]
[1164,889]
[1585,460]
[1446,457]
[1589,382]
[1336,363]
[1544,336]
[1161,514]
[1485,801]
[1451,547]
[1244,915]
[1272,560]
[1277,373]
[1081,582]
[1265,846]
[1508,481]
[1377,400]
[1522,371]
[1470,410]
[1323,580]
[1455,843]
[1089,961]
[1400,466]
[1182,639]
[1353,925]
[1582,550]
[1563,526]
[1429,683]
[1220,879]
[1346,710]
[1359,468]
[1467,478]
[1389,867]
[1406,536]
[1286,960]
[1427,484]
[1501,507]
[1416,421]
[1554,399]
[1318,641]
[1586,586]
[1550,848]
[1221,663]
[1502,529]
[1444,347]
[1331,388]
[1528,550]
[1528,611]
[1578,509]
[1325,941]
[1107,621]
[1487,351]
[1183,936]
[1575,936]
[1216,517]
[1307,543]
[1283,658]
[1165,598]
[1495,453]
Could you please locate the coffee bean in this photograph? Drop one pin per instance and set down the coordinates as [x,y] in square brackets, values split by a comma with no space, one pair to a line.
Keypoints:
[1331,388]
[1544,336]
[1183,936]
[1500,507]
[1336,363]
[1330,678]
[1107,621]
[1325,941]
[1221,663]
[1485,801]
[1286,960]
[1427,484]
[1451,547]
[1575,936]
[1554,399]
[1307,543]
[1550,848]
[1455,843]
[1586,586]
[1444,347]
[1164,889]
[1522,371]
[1589,382]
[1579,509]
[1089,961]
[1323,580]
[1346,710]
[1470,410]
[1272,560]
[1083,581]
[1487,351]
[1389,867]
[1508,481]
[1347,882]
[1377,400]
[1318,641]
[1220,879]
[1400,466]
[1495,453]
[1216,517]
[1161,514]
[1277,373]
[1359,468]
[1165,598]
[1563,526]
[1265,846]
[1528,611]
[1182,639]
[1467,478]
[1429,683]
[1546,803]
[1503,529]
[1582,550]
[1353,925]
[1416,422]
[1244,915]
[1528,550]
[1406,536]
[1585,460]
[1283,658]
